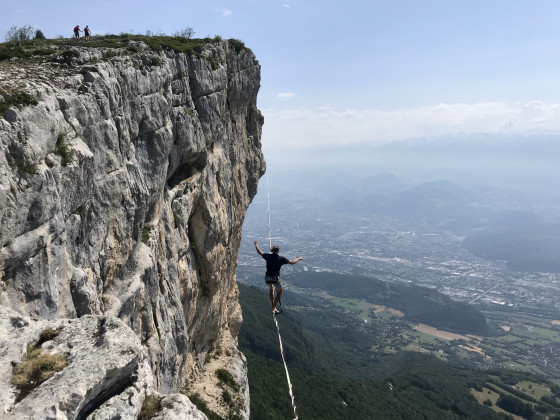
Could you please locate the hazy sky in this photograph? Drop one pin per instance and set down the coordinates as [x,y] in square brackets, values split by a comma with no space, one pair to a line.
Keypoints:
[361,70]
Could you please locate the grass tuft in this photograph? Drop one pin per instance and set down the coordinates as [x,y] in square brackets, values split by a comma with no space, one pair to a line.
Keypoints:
[16,99]
[226,378]
[190,112]
[62,150]
[150,407]
[35,368]
[202,406]
[155,60]
[214,65]
[18,161]
[146,233]
[47,334]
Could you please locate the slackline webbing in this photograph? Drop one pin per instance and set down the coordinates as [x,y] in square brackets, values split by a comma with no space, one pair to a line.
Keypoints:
[273,315]
[286,368]
[268,201]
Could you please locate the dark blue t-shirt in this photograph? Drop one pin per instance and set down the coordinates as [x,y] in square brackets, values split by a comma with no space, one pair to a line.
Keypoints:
[273,263]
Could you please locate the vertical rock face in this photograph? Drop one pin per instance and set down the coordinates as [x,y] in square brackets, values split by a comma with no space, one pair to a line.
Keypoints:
[122,194]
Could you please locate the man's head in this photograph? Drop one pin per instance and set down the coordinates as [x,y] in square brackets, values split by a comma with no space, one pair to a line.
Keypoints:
[275,249]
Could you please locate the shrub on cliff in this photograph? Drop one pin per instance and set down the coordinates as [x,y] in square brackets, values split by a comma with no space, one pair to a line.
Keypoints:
[150,407]
[187,33]
[202,406]
[39,34]
[237,45]
[35,369]
[63,150]
[37,366]
[21,34]
[15,98]
[226,378]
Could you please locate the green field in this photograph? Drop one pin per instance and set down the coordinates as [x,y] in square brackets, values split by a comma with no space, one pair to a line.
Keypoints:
[420,304]
[525,346]
[529,342]
[509,349]
[363,310]
[535,389]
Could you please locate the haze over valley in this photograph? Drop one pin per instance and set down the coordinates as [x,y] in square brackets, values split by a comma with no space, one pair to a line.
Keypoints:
[474,220]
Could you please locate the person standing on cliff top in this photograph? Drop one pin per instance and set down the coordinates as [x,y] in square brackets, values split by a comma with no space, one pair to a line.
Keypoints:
[87,32]
[274,261]
[77,31]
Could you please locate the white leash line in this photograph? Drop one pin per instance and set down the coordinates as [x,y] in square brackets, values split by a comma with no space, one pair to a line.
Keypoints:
[286,368]
[268,202]
[274,317]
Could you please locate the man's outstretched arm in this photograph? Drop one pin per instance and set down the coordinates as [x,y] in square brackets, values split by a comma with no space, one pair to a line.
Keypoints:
[257,248]
[295,261]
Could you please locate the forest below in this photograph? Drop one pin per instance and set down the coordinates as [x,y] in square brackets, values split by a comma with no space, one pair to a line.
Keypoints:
[337,373]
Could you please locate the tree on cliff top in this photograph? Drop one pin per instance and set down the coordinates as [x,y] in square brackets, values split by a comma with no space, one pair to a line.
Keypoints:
[24,33]
[187,33]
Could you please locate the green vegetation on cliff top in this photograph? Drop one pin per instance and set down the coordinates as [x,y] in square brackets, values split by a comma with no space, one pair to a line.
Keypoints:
[46,47]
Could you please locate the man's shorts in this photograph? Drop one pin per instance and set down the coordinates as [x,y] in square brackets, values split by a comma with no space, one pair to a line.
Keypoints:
[273,280]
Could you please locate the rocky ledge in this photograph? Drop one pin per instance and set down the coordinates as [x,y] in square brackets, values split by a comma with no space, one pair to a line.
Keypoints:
[125,175]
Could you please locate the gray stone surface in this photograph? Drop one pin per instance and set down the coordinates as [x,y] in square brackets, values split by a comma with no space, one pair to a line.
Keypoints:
[123,192]
[105,359]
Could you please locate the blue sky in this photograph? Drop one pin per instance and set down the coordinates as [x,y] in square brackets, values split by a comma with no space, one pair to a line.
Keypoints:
[338,72]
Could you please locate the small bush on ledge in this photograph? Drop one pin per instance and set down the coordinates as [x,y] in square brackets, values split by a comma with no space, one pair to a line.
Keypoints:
[150,407]
[226,378]
[202,406]
[15,99]
[62,150]
[37,366]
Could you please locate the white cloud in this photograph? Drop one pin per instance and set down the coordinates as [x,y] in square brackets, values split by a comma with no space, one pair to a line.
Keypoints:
[224,12]
[287,6]
[306,127]
[285,95]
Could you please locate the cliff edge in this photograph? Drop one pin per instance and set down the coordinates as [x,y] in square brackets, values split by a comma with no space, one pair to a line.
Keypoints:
[125,175]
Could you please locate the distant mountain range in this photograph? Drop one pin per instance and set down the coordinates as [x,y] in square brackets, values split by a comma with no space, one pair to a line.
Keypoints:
[525,165]
[500,192]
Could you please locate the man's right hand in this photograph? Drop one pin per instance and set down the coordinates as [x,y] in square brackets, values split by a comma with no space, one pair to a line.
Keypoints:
[257,248]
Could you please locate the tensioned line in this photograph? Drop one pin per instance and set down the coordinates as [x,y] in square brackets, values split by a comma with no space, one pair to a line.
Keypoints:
[274,316]
[286,368]
[268,203]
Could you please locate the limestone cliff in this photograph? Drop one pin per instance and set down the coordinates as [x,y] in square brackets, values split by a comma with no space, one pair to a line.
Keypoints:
[125,175]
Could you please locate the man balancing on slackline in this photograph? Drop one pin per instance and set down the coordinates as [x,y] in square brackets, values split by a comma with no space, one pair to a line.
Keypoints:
[274,261]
